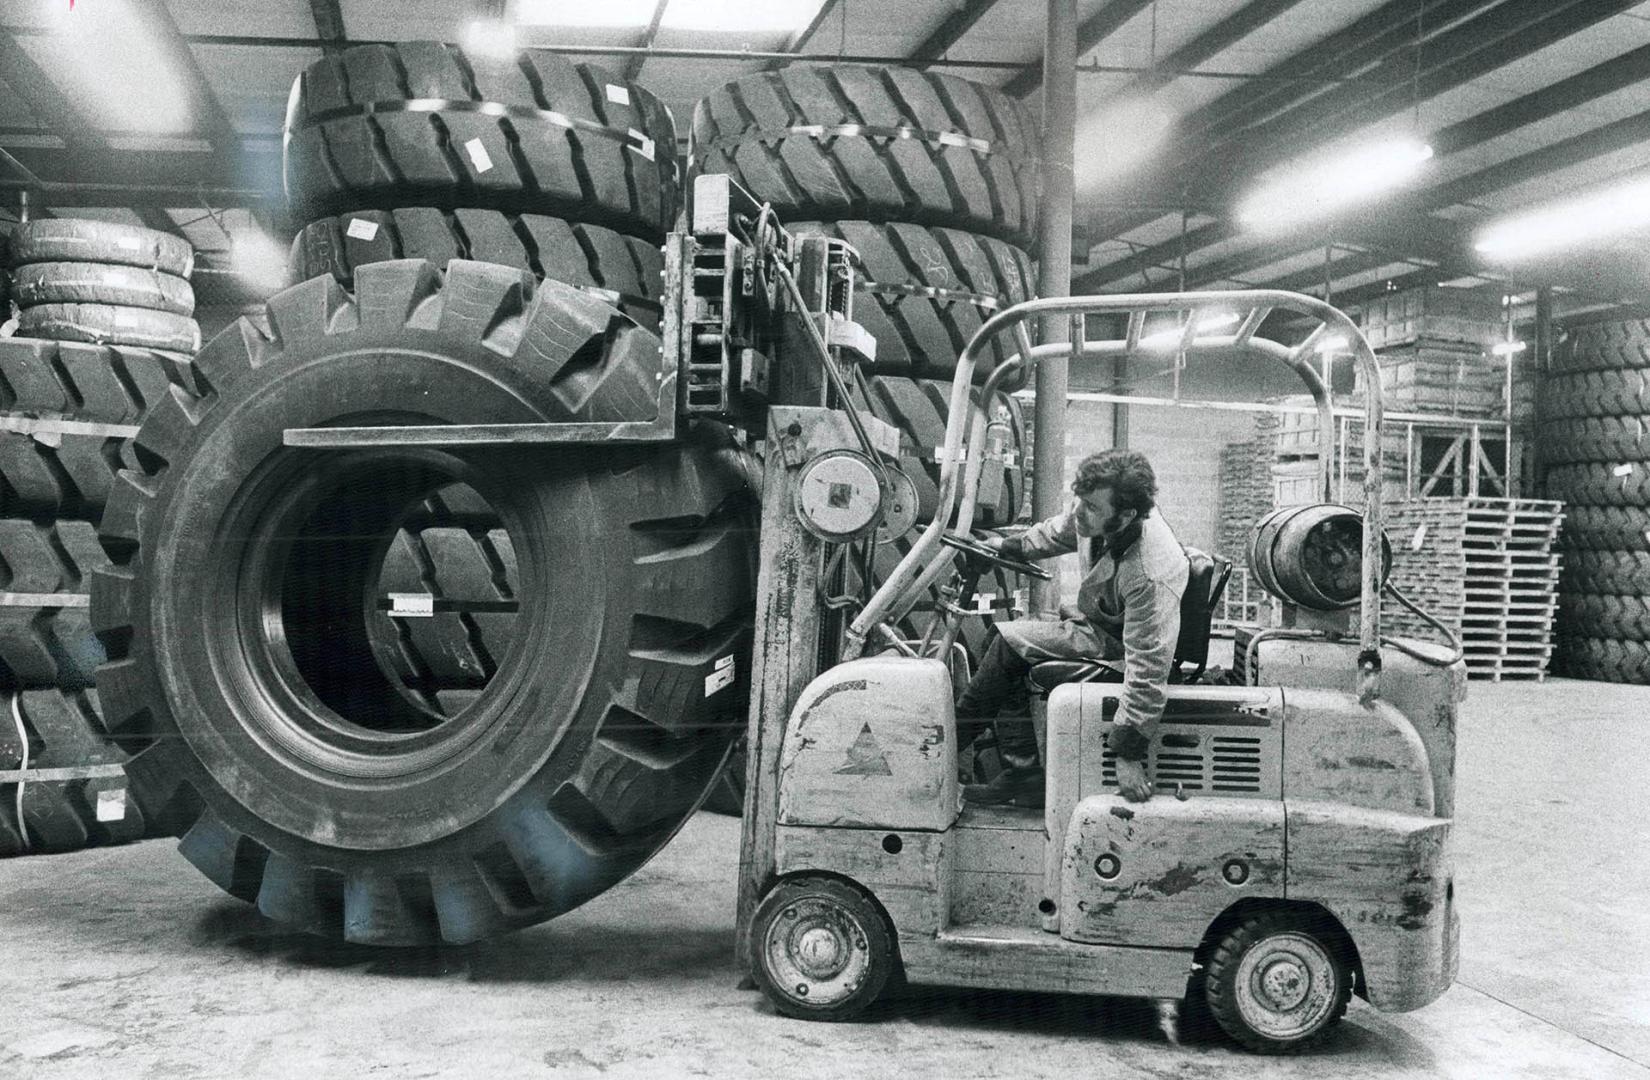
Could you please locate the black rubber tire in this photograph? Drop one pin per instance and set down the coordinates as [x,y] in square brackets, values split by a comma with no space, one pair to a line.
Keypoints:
[81,240]
[1606,528]
[106,324]
[1221,974]
[862,928]
[50,643]
[1596,393]
[920,333]
[1608,439]
[625,270]
[352,813]
[102,283]
[452,548]
[1606,573]
[755,130]
[1602,659]
[918,407]
[1624,618]
[65,730]
[1608,346]
[352,145]
[69,474]
[1597,484]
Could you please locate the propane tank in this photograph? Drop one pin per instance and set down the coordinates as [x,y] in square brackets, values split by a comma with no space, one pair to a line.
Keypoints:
[1312,556]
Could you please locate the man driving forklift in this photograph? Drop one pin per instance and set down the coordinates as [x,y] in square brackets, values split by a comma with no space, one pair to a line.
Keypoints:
[1134,572]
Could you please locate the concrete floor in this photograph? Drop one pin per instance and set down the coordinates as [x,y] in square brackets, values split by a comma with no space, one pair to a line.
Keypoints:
[126,963]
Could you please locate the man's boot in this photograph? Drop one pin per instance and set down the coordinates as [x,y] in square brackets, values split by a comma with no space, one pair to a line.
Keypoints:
[1021,781]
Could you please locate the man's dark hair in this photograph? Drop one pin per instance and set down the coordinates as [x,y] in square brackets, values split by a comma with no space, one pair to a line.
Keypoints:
[1128,474]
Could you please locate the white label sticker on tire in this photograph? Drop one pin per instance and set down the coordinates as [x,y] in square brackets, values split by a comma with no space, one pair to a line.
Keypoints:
[722,677]
[130,243]
[641,143]
[406,605]
[618,95]
[478,155]
[111,805]
[361,229]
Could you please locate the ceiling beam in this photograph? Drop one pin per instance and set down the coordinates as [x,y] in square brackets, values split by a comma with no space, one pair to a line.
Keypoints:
[632,66]
[799,40]
[1090,33]
[1458,136]
[1223,34]
[211,122]
[950,30]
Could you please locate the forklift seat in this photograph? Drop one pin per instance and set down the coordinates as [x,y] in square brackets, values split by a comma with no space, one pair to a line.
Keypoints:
[1205,583]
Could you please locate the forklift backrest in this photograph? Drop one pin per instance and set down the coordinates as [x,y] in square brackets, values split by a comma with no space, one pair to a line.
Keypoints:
[1205,583]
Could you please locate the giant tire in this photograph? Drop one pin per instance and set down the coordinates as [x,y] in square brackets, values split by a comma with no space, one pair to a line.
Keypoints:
[233,614]
[1609,439]
[1608,346]
[108,324]
[1606,573]
[919,407]
[69,474]
[1587,394]
[1597,483]
[878,144]
[508,134]
[925,292]
[64,730]
[626,270]
[1625,618]
[45,638]
[81,240]
[1606,528]
[1602,659]
[102,283]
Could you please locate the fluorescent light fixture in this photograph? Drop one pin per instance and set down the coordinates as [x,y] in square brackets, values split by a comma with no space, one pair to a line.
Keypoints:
[1320,188]
[255,256]
[1333,343]
[1603,214]
[1508,348]
[114,68]
[1168,339]
[738,16]
[490,37]
[1118,138]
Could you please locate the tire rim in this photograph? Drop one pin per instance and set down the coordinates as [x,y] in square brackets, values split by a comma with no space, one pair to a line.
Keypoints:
[816,952]
[1286,986]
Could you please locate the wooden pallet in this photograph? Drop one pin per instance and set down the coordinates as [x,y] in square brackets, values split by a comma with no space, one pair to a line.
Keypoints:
[1486,568]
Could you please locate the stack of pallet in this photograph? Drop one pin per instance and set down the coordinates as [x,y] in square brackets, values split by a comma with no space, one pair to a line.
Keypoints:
[1246,493]
[1485,568]
[1434,346]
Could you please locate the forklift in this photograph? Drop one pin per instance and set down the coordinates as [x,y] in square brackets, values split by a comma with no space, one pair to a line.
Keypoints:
[1297,848]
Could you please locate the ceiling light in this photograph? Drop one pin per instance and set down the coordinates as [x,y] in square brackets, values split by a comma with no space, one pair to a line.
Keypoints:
[1332,343]
[490,37]
[1604,214]
[1508,348]
[1118,138]
[1310,190]
[255,256]
[111,64]
[583,13]
[1168,339]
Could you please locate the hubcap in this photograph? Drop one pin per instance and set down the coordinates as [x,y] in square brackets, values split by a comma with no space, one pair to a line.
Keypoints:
[816,951]
[1286,986]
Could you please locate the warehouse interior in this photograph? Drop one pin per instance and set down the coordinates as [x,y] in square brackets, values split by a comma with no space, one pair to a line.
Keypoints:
[1468,181]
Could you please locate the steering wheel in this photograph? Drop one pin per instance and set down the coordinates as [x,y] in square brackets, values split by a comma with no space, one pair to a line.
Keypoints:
[976,550]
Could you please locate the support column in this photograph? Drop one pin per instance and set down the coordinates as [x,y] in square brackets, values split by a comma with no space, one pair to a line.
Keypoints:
[1054,256]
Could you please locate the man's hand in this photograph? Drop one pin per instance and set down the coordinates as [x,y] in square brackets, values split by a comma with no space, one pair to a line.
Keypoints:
[1131,780]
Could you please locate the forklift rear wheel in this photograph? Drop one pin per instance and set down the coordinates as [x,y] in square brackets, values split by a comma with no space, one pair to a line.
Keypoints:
[1275,984]
[821,949]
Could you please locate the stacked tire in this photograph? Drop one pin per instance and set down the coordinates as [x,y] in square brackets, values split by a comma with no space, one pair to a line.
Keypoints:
[1596,438]
[410,694]
[934,181]
[105,333]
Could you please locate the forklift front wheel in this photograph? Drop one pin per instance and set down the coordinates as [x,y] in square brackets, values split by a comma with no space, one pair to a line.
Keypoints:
[821,949]
[1275,984]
